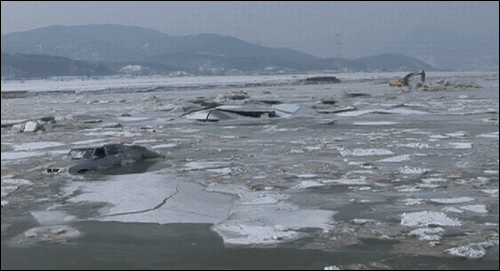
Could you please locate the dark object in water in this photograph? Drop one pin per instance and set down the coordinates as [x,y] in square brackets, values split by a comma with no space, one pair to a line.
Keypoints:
[321,80]
[108,156]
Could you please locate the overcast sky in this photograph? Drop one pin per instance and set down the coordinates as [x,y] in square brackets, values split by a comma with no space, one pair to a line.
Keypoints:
[317,28]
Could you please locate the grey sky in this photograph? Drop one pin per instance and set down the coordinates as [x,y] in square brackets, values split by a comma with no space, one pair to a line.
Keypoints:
[309,27]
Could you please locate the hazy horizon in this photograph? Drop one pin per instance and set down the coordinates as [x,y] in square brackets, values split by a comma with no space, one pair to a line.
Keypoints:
[323,29]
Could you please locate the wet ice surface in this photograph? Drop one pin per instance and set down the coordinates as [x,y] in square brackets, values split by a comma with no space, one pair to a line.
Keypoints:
[417,168]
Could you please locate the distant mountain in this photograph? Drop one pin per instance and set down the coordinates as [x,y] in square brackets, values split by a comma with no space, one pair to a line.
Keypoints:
[392,62]
[115,43]
[43,66]
[142,51]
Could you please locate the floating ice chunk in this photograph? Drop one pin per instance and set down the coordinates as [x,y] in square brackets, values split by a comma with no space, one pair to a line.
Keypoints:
[396,159]
[461,145]
[365,152]
[414,201]
[332,267]
[409,170]
[4,202]
[162,146]
[491,172]
[223,171]
[452,210]
[362,221]
[345,181]
[416,145]
[241,234]
[438,136]
[430,234]
[6,190]
[426,218]
[131,118]
[355,113]
[12,122]
[36,145]
[472,251]
[52,217]
[421,231]
[406,188]
[308,184]
[113,133]
[313,148]
[478,208]
[31,126]
[489,135]
[375,123]
[144,141]
[456,134]
[87,142]
[453,200]
[305,176]
[490,191]
[287,108]
[53,234]
[263,199]
[433,180]
[16,181]
[19,155]
[158,199]
[205,165]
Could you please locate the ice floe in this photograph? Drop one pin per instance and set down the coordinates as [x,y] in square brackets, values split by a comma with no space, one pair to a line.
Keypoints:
[414,201]
[471,251]
[365,152]
[427,218]
[255,215]
[162,146]
[55,234]
[477,208]
[431,234]
[489,135]
[308,184]
[346,181]
[152,198]
[461,145]
[410,170]
[453,200]
[396,159]
[20,155]
[375,123]
[36,145]
[52,217]
[10,185]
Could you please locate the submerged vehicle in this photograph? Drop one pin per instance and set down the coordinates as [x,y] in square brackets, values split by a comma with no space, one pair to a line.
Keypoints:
[107,156]
[228,112]
[406,79]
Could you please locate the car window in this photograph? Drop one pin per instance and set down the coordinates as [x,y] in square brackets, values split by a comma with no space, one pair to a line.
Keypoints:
[112,149]
[99,152]
[81,153]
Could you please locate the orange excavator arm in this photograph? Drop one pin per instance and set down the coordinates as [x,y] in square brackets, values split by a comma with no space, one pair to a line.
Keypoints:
[404,81]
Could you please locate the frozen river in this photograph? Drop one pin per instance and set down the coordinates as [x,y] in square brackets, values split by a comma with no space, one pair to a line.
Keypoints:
[349,175]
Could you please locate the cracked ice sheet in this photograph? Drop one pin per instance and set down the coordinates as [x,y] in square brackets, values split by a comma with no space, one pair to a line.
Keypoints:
[240,216]
[133,197]
[264,218]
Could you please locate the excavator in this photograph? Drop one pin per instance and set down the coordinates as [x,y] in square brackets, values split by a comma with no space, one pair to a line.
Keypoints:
[404,81]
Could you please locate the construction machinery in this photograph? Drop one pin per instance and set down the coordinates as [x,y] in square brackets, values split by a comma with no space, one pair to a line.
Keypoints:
[404,80]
